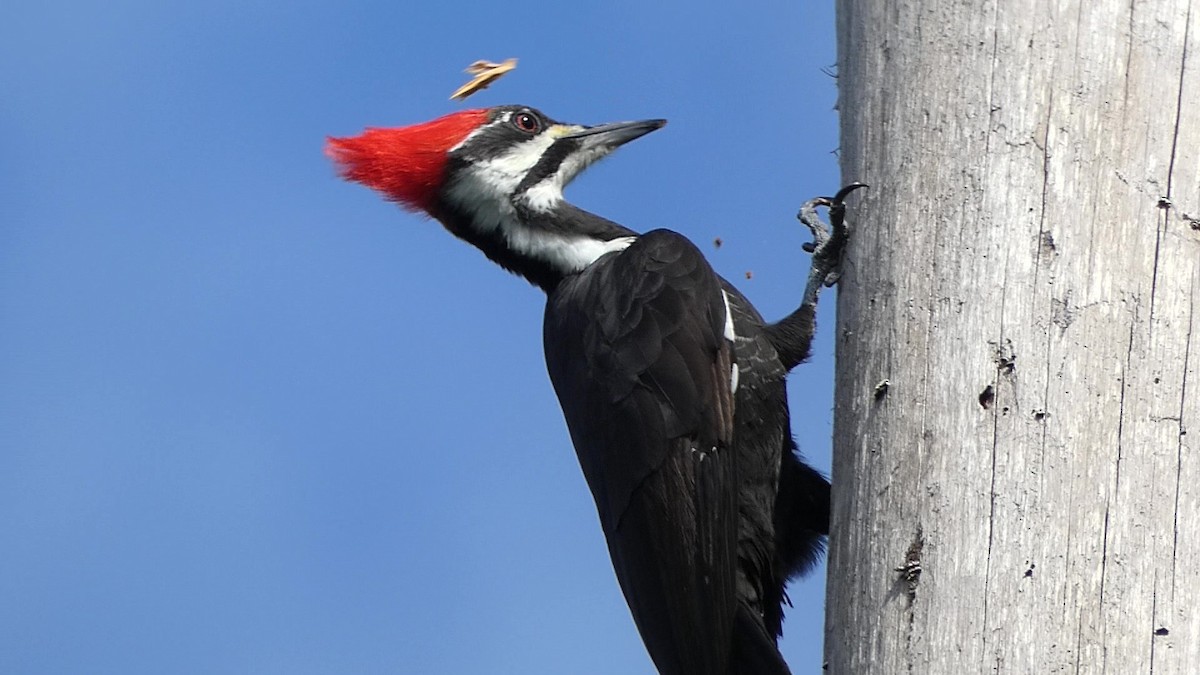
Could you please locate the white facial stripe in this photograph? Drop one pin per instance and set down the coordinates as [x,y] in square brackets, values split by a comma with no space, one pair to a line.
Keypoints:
[483,191]
[503,173]
[569,255]
[478,130]
[485,188]
[544,196]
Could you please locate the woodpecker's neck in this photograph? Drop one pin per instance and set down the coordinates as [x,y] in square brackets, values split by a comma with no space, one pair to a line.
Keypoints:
[544,243]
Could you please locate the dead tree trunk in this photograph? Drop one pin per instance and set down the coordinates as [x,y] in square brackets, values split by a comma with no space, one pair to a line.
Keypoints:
[1017,432]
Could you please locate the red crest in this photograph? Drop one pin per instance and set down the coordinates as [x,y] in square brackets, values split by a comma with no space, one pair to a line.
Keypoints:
[406,164]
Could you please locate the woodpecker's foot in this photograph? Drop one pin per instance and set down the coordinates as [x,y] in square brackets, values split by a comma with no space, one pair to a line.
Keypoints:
[829,242]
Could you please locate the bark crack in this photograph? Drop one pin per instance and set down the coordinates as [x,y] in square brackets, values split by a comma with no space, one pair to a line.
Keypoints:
[991,95]
[1162,226]
[1100,604]
[1128,60]
[1153,616]
[1116,490]
[1125,372]
[1037,261]
[1187,26]
[1045,402]
[1183,392]
[1000,367]
[1037,270]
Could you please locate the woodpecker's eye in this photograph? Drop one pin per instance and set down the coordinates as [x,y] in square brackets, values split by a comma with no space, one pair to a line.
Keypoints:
[526,122]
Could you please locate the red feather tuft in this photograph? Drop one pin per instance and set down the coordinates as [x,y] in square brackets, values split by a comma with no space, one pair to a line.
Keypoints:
[406,164]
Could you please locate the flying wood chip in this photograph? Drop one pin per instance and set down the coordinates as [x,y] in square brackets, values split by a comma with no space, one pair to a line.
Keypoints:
[485,73]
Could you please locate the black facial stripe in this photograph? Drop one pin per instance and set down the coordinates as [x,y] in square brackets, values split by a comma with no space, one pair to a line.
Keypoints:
[548,164]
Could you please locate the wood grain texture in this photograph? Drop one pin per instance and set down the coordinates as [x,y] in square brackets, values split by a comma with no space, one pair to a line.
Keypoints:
[1025,274]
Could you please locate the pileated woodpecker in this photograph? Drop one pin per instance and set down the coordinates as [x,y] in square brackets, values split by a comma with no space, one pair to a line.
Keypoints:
[671,383]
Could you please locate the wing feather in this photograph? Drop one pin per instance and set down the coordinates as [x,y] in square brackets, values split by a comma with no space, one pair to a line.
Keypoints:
[636,351]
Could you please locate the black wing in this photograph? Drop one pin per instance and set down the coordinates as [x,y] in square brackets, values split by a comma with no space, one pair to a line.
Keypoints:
[636,349]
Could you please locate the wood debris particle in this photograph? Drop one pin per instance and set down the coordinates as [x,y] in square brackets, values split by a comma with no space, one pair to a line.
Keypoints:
[485,73]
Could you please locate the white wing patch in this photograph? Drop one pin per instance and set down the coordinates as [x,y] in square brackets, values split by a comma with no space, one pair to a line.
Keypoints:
[731,336]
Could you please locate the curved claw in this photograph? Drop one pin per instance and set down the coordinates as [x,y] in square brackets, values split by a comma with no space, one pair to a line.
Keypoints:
[829,241]
[835,204]
[845,192]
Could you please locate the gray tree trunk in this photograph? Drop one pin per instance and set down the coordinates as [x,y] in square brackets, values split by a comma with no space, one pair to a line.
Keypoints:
[1025,278]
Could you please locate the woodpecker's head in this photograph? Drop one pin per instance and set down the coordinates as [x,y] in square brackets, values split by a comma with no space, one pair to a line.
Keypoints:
[511,155]
[495,178]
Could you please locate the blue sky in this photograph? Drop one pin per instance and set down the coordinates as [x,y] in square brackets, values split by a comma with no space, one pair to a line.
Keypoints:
[254,419]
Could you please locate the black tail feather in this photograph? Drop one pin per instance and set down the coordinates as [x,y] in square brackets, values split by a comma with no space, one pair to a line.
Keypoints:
[754,650]
[801,523]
